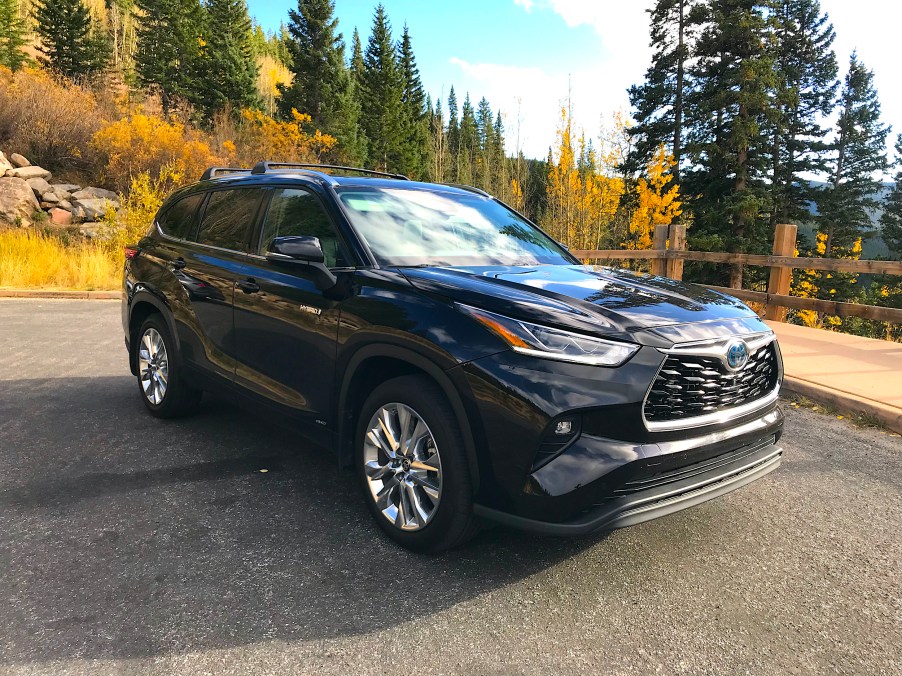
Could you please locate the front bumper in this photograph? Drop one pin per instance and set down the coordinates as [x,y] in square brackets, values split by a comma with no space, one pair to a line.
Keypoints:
[658,495]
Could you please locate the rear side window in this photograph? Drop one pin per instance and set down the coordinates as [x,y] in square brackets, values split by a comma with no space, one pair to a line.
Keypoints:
[297,212]
[229,217]
[179,219]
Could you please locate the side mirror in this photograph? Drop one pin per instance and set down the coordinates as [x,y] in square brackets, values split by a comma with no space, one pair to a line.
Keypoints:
[306,254]
[299,248]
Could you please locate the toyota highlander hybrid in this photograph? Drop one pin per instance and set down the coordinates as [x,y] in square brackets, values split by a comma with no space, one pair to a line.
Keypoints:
[463,363]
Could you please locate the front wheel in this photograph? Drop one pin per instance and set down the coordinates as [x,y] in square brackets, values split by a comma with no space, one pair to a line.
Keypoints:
[412,466]
[163,391]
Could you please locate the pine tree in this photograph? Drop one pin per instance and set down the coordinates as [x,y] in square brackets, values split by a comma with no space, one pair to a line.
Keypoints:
[806,72]
[469,142]
[228,58]
[68,43]
[413,100]
[658,103]
[891,220]
[168,56]
[732,102]
[382,113]
[12,36]
[453,137]
[859,155]
[316,51]
[485,145]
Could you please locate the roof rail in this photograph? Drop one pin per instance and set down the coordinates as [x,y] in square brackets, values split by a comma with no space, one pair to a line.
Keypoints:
[266,167]
[468,188]
[212,172]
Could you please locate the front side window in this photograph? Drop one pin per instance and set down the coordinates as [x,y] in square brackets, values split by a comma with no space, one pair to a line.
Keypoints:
[407,226]
[178,220]
[297,212]
[229,217]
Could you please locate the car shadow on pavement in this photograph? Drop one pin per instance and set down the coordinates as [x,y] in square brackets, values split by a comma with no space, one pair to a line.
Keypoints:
[123,536]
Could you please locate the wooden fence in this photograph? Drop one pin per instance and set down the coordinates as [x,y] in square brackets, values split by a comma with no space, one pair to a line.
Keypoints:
[669,251]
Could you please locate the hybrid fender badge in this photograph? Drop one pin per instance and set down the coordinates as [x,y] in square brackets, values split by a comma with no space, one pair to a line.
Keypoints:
[737,355]
[310,309]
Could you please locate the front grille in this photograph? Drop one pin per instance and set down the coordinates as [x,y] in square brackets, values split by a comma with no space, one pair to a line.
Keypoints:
[689,386]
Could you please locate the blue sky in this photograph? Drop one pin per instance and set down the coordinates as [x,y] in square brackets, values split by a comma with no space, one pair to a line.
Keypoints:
[525,55]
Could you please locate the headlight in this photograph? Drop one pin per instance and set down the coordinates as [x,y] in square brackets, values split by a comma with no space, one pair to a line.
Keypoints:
[549,343]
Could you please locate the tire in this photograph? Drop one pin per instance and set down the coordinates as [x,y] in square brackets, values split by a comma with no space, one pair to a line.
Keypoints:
[162,388]
[445,516]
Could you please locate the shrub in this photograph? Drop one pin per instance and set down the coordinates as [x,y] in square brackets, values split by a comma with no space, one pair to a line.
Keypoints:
[48,121]
[145,144]
[259,137]
[138,208]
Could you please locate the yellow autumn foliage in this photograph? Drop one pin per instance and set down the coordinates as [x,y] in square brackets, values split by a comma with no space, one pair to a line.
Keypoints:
[140,144]
[657,201]
[582,201]
[260,137]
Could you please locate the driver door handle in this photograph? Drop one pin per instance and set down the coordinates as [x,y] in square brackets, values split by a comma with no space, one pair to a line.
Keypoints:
[248,285]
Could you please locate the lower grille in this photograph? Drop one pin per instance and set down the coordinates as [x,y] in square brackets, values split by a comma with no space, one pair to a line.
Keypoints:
[662,478]
[689,386]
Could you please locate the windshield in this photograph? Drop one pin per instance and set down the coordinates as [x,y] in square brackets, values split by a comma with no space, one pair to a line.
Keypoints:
[404,226]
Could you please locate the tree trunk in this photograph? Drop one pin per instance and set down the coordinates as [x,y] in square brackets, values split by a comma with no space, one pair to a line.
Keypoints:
[678,99]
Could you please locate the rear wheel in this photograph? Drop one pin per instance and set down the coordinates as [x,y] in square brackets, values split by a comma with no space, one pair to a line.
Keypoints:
[160,382]
[412,466]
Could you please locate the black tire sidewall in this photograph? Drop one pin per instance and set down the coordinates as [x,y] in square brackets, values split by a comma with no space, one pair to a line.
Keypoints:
[173,403]
[453,517]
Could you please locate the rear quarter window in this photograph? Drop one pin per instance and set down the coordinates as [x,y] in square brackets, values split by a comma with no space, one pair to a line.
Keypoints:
[178,220]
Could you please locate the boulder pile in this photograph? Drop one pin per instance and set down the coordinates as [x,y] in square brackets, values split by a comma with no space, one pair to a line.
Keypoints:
[27,198]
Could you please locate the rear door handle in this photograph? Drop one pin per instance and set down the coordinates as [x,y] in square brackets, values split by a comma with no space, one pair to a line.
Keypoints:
[248,286]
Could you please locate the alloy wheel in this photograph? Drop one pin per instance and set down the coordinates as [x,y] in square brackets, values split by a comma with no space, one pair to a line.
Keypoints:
[153,366]
[402,466]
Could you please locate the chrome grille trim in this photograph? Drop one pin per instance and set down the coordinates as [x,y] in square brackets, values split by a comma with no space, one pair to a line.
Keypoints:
[715,349]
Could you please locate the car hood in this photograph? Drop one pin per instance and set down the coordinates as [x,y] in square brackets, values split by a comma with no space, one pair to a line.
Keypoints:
[587,297]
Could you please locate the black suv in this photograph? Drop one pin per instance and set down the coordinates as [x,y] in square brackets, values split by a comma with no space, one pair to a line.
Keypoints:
[464,363]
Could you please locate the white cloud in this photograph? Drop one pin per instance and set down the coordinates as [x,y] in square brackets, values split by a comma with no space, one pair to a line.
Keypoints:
[622,26]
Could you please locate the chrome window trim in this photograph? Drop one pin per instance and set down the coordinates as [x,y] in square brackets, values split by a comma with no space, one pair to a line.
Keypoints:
[715,349]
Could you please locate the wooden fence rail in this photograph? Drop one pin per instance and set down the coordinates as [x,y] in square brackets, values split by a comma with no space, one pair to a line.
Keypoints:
[669,251]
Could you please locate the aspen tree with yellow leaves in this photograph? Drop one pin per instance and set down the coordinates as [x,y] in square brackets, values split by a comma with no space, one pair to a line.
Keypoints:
[657,200]
[582,196]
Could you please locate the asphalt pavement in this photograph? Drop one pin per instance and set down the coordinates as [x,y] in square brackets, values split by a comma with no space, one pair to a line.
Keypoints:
[224,543]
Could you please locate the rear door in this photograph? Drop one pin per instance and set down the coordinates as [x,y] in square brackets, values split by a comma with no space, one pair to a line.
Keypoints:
[286,329]
[208,270]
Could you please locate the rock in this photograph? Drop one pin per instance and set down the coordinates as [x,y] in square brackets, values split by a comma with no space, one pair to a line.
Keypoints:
[65,204]
[91,209]
[4,165]
[66,187]
[94,194]
[39,185]
[90,230]
[29,172]
[50,197]
[19,161]
[17,202]
[60,217]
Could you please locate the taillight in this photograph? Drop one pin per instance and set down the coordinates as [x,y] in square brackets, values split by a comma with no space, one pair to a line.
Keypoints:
[131,252]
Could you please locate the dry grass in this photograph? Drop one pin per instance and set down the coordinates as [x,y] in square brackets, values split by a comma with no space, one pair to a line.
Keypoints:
[32,260]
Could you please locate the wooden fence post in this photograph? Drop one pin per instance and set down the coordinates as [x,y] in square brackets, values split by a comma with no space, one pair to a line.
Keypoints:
[781,278]
[677,243]
[659,265]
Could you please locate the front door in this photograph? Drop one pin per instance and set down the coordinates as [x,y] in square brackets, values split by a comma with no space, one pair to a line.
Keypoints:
[285,328]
